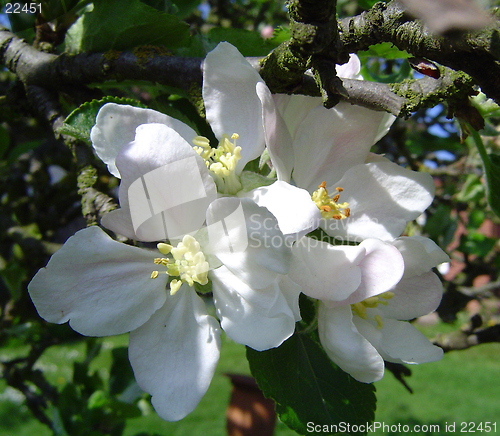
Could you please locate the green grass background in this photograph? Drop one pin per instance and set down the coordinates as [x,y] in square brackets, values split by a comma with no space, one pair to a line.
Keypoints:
[463,387]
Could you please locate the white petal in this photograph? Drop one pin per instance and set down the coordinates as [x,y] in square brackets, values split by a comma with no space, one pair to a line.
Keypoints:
[165,185]
[415,296]
[247,240]
[295,108]
[350,70]
[381,269]
[278,139]
[324,271]
[296,213]
[382,198]
[346,347]
[330,141]
[258,318]
[174,355]
[115,128]
[399,341]
[231,101]
[420,254]
[291,291]
[101,286]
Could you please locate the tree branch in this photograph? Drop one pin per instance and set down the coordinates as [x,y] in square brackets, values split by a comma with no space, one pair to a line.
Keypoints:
[475,53]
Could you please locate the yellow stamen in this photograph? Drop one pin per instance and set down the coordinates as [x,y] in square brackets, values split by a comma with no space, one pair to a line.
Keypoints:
[330,207]
[360,308]
[221,162]
[187,263]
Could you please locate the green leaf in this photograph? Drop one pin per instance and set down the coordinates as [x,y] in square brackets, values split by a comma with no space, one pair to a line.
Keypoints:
[367,4]
[82,119]
[385,50]
[121,374]
[308,387]
[111,25]
[248,43]
[251,180]
[491,163]
[4,141]
[20,149]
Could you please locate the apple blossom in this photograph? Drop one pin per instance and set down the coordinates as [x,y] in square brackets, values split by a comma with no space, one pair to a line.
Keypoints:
[327,153]
[103,287]
[234,112]
[368,327]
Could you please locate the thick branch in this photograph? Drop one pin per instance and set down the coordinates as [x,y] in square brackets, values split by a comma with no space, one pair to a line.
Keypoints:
[475,53]
[469,335]
[57,72]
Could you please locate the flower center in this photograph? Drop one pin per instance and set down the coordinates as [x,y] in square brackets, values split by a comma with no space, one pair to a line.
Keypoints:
[371,303]
[187,262]
[221,162]
[330,208]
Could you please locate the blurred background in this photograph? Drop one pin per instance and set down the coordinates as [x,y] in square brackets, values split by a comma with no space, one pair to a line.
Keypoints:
[55,381]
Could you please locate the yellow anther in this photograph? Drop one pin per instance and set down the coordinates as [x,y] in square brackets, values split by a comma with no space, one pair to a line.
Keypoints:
[187,266]
[154,274]
[221,162]
[371,302]
[361,307]
[175,286]
[330,207]
[164,248]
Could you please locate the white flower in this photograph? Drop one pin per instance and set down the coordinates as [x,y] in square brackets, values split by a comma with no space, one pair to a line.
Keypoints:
[103,287]
[369,326]
[234,111]
[168,192]
[325,149]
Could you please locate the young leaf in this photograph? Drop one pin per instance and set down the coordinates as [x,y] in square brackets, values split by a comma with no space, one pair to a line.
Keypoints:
[113,26]
[82,119]
[247,42]
[309,388]
[491,163]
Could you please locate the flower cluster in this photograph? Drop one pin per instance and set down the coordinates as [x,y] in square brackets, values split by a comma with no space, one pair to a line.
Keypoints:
[244,241]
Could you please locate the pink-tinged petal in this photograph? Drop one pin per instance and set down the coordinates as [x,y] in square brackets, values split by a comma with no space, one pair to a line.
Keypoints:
[381,269]
[382,198]
[295,108]
[174,355]
[324,271]
[102,287]
[260,319]
[278,139]
[413,297]
[351,69]
[166,187]
[399,341]
[330,141]
[231,101]
[420,254]
[346,347]
[291,291]
[115,128]
[247,240]
[296,213]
